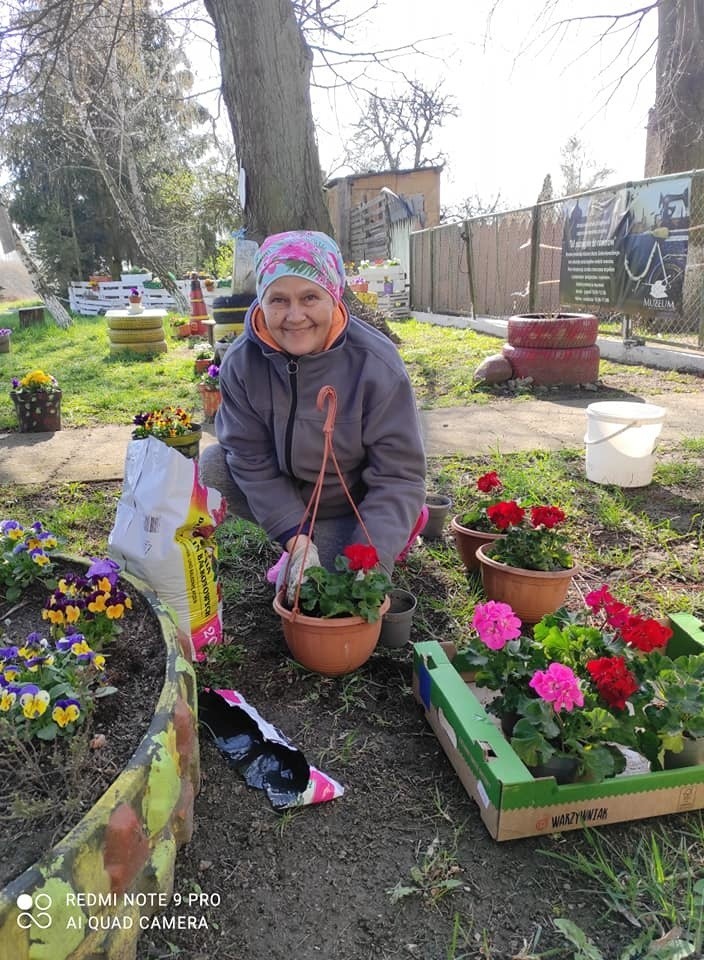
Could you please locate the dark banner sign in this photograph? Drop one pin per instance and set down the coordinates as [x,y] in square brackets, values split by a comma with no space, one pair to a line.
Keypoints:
[627,248]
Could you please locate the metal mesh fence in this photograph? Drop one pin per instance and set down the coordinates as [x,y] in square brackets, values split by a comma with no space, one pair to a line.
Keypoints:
[511,262]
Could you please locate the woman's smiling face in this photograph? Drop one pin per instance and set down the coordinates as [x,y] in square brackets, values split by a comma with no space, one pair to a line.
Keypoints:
[298,314]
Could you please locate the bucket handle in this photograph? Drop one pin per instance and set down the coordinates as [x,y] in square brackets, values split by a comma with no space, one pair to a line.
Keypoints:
[617,433]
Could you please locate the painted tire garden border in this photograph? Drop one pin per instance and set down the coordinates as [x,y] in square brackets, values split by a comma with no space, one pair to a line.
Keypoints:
[124,849]
[564,331]
[552,367]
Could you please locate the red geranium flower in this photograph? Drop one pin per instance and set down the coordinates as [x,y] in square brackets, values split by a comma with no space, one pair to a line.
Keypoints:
[598,599]
[617,613]
[613,680]
[361,556]
[490,481]
[548,517]
[505,514]
[645,635]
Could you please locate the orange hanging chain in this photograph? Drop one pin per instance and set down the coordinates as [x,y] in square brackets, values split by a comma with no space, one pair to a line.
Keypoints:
[325,394]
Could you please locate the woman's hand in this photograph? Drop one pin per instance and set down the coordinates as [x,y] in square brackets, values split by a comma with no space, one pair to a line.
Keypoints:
[299,560]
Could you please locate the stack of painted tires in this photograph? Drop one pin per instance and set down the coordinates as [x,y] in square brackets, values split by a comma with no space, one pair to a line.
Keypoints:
[553,349]
[229,314]
[138,334]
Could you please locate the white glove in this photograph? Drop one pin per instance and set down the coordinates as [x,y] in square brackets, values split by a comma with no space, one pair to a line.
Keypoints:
[290,572]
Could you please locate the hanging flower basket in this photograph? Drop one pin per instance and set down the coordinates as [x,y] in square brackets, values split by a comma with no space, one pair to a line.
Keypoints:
[341,622]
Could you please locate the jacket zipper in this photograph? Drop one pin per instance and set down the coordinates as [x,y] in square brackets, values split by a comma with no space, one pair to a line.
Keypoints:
[292,369]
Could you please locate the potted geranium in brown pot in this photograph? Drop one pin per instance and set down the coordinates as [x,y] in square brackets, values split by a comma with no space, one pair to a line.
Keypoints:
[473,527]
[530,566]
[333,623]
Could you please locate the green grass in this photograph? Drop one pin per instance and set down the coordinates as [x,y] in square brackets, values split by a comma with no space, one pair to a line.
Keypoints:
[97,388]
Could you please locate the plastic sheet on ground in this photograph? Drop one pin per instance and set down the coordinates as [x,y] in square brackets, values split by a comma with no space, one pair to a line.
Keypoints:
[261,753]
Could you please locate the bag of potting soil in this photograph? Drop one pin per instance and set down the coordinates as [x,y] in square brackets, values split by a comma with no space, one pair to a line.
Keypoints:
[163,533]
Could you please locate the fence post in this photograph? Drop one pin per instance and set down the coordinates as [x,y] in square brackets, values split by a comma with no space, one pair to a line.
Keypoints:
[534,259]
[432,270]
[467,237]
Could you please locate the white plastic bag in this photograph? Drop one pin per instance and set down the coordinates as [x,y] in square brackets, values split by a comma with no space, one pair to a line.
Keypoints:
[163,533]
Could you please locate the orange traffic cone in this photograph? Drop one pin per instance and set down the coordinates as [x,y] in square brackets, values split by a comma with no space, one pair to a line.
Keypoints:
[199,311]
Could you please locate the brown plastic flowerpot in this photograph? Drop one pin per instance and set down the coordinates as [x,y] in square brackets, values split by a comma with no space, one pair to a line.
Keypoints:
[211,400]
[331,647]
[531,594]
[467,541]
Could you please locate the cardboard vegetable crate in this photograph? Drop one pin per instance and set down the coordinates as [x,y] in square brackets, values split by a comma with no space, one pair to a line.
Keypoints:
[511,802]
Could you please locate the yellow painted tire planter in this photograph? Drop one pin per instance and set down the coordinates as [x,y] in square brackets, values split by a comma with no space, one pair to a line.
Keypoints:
[156,347]
[124,849]
[136,336]
[135,323]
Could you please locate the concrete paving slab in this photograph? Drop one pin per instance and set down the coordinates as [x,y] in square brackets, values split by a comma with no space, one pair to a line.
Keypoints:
[504,426]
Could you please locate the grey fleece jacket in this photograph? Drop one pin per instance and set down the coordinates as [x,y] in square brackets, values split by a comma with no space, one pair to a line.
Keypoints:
[272,433]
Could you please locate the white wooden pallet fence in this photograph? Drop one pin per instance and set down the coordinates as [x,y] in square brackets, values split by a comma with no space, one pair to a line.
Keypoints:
[83,298]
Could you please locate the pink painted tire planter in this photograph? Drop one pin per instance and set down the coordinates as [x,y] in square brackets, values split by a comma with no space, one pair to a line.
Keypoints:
[552,367]
[566,330]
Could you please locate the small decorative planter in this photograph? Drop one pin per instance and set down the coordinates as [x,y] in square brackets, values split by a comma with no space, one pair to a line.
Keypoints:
[5,341]
[211,401]
[438,508]
[135,304]
[531,593]
[201,364]
[331,647]
[397,621]
[467,542]
[125,845]
[188,443]
[38,411]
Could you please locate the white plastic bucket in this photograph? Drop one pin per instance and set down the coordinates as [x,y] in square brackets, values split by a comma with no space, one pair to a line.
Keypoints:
[620,441]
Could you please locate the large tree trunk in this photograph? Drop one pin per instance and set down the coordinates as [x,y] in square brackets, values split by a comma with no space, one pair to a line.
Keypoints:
[265,65]
[676,124]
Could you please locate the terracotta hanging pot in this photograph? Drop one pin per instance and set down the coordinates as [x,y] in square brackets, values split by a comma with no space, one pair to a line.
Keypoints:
[467,541]
[333,646]
[530,593]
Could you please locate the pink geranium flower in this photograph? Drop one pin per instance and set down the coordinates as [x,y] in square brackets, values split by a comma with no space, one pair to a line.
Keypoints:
[559,686]
[496,624]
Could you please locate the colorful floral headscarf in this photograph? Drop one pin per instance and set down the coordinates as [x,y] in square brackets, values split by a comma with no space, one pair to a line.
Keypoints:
[301,253]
